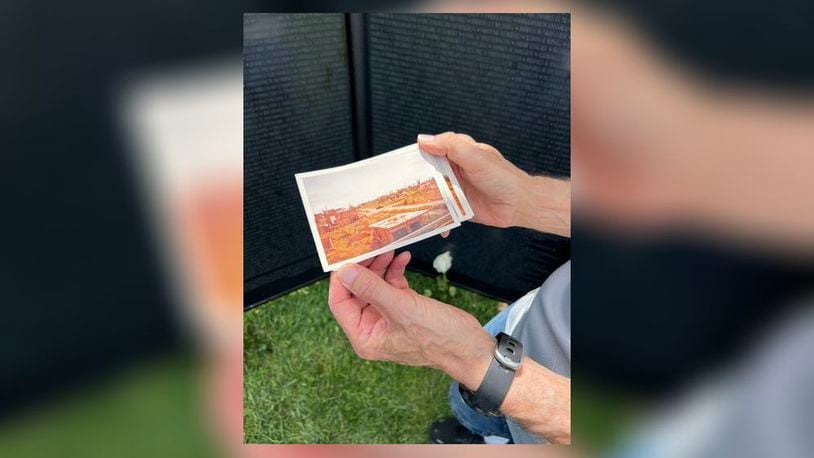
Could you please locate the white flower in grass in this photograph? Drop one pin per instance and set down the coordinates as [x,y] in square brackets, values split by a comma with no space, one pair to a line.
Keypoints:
[442,262]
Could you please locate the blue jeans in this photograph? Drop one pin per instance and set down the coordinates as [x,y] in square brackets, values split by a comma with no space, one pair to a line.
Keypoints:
[475,422]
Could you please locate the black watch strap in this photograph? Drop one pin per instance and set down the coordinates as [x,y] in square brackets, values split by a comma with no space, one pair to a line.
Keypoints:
[487,399]
[495,385]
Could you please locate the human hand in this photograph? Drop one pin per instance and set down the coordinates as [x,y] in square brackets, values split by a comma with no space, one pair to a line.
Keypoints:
[385,320]
[493,185]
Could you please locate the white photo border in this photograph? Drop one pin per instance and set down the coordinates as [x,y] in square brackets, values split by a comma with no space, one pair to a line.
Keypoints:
[443,164]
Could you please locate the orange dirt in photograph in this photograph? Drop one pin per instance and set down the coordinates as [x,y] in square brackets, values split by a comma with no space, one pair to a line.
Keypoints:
[349,232]
[454,195]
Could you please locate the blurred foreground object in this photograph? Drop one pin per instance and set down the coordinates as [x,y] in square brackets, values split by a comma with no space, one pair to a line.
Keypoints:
[188,144]
[763,407]
[187,137]
[655,146]
[669,160]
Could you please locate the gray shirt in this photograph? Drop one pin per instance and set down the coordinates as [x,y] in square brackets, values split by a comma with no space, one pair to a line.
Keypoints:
[541,320]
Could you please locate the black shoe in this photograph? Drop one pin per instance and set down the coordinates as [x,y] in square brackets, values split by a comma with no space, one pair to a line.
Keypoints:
[449,431]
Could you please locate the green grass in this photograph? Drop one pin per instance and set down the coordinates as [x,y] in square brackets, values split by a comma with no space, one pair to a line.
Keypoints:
[304,384]
[152,408]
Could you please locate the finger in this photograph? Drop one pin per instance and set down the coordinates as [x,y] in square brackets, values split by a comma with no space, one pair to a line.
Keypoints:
[366,262]
[370,288]
[434,144]
[336,290]
[456,169]
[463,150]
[468,138]
[348,315]
[459,149]
[346,309]
[395,271]
[380,263]
[445,234]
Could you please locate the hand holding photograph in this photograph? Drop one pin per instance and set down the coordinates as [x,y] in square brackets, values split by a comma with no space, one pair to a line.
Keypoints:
[360,210]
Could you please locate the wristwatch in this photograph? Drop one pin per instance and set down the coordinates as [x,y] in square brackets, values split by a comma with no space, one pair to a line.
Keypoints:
[492,391]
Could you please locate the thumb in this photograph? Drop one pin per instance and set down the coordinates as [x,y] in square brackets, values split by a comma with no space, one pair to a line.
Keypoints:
[369,287]
[458,148]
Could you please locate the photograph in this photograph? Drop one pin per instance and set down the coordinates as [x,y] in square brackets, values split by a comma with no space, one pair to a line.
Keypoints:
[461,206]
[362,209]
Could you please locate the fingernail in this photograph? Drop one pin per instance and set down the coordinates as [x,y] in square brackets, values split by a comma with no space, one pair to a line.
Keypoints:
[347,274]
[426,138]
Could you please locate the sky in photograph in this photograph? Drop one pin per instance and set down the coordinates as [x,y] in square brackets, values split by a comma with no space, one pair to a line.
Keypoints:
[360,184]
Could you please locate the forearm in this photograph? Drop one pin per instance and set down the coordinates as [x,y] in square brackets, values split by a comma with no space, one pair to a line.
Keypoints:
[539,399]
[545,205]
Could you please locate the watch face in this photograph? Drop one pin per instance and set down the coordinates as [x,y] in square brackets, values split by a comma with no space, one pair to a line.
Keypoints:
[509,352]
